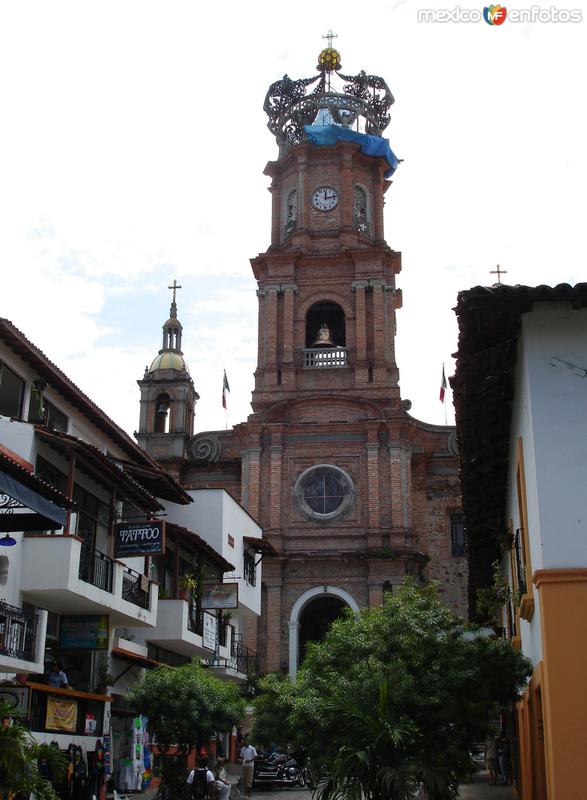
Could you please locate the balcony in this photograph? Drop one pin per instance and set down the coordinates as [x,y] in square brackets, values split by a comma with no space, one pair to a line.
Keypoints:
[56,576]
[21,636]
[325,357]
[180,628]
[239,664]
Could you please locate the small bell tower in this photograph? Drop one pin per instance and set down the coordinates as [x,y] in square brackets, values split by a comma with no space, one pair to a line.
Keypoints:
[168,398]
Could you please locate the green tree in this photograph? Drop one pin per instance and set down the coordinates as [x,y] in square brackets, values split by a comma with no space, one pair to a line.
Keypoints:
[185,705]
[19,755]
[395,697]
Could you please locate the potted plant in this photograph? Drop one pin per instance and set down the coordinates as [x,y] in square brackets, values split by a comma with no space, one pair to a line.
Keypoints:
[187,585]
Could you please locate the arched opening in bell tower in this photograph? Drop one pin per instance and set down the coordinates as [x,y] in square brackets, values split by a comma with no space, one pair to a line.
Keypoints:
[162,405]
[321,316]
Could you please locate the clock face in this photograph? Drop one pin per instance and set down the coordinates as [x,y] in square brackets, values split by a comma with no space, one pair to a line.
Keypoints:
[325,198]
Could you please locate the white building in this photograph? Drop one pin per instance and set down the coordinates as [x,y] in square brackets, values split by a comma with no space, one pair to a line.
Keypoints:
[521,398]
[66,592]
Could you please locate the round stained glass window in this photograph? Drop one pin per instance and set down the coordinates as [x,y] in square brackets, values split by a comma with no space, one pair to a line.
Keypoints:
[324,492]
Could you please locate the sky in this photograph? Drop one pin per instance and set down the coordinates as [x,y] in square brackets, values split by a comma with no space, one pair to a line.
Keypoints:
[132,149]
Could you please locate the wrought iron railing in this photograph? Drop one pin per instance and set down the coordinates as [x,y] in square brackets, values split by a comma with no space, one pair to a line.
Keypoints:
[132,588]
[241,659]
[18,631]
[97,569]
[325,357]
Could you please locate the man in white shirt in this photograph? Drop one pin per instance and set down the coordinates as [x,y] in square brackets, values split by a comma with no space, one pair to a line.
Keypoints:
[248,756]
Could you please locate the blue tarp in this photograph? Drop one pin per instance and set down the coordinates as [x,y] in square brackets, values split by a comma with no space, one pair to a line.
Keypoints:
[370,145]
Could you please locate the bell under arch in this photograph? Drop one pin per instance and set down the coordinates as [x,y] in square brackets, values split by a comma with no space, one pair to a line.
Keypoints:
[311,616]
[321,316]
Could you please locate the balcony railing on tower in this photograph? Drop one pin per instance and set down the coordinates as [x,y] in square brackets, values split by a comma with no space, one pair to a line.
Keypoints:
[17,632]
[325,357]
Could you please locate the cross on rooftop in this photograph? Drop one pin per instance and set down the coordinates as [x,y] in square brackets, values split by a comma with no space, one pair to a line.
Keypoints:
[175,285]
[330,36]
[499,272]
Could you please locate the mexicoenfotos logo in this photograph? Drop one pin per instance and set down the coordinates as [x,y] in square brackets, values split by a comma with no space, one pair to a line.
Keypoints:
[495,15]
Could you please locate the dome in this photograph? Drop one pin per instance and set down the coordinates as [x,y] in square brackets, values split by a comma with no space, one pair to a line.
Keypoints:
[173,322]
[169,360]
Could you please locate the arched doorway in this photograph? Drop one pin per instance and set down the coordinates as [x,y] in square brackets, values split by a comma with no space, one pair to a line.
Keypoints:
[311,616]
[315,620]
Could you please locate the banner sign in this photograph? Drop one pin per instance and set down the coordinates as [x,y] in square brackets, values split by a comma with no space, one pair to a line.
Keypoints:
[84,632]
[209,632]
[145,538]
[61,714]
[222,595]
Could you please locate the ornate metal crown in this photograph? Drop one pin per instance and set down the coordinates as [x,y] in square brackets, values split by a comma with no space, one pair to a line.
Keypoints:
[291,104]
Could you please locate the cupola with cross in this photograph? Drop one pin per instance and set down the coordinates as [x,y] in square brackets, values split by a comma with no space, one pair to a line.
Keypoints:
[327,292]
[168,396]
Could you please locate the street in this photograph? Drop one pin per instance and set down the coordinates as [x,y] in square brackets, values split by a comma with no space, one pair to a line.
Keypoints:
[479,789]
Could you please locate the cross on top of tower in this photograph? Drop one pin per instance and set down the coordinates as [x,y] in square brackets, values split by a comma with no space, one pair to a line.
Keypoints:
[499,272]
[175,285]
[330,36]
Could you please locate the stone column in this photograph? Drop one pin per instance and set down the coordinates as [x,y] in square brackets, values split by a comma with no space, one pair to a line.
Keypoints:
[262,332]
[373,478]
[396,485]
[406,486]
[346,200]
[359,288]
[276,457]
[302,205]
[378,207]
[289,290]
[271,325]
[254,471]
[273,631]
[276,221]
[378,288]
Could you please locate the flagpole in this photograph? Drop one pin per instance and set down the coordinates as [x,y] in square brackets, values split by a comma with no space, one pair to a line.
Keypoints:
[445,418]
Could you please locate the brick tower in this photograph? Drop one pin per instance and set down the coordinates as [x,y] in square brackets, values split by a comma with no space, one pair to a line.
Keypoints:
[352,492]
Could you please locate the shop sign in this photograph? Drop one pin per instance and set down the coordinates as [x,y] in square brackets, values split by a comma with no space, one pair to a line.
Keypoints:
[61,714]
[84,632]
[17,697]
[209,631]
[146,538]
[222,595]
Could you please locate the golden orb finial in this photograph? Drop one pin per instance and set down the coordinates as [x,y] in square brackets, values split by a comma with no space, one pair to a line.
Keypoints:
[329,60]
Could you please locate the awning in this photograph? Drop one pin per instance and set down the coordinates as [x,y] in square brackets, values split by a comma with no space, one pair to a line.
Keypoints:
[260,545]
[29,511]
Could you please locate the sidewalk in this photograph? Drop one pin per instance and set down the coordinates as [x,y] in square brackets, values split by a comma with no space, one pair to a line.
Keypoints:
[480,789]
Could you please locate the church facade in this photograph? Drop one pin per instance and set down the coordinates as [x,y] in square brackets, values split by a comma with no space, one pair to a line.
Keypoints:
[353,494]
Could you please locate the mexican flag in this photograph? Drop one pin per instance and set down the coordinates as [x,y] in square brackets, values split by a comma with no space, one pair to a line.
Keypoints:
[225,390]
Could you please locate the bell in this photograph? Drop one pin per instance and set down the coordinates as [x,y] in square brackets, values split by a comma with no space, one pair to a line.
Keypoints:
[324,339]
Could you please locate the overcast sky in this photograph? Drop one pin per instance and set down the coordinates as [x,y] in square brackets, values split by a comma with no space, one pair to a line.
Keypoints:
[133,143]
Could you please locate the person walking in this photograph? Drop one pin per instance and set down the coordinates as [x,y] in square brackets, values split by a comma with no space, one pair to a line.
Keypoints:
[248,756]
[199,780]
[491,759]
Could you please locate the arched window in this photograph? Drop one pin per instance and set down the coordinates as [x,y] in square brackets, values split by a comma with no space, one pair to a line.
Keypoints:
[321,316]
[291,212]
[360,210]
[162,405]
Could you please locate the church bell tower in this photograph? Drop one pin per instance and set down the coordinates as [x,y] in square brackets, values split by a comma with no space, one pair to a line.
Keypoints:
[327,292]
[168,398]
[352,493]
